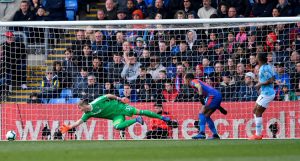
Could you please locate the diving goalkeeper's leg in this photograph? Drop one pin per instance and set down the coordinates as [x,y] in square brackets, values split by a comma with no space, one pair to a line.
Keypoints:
[130,110]
[152,115]
[120,123]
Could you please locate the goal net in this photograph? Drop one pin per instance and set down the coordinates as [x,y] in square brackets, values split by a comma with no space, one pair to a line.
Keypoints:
[48,67]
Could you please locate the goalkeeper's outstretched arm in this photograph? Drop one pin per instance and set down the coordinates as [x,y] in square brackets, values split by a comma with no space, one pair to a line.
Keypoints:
[124,99]
[66,128]
[75,124]
[111,96]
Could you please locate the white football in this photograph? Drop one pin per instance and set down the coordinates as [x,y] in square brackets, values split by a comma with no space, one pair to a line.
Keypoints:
[11,135]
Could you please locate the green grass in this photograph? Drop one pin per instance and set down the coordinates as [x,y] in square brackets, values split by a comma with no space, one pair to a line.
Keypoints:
[157,150]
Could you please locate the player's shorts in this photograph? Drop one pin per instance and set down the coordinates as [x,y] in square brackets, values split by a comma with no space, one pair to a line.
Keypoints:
[126,110]
[264,100]
[213,101]
[123,111]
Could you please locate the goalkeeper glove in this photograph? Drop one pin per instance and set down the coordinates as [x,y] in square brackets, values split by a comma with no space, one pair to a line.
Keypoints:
[64,128]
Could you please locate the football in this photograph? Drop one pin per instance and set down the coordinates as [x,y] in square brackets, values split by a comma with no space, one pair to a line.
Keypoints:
[11,135]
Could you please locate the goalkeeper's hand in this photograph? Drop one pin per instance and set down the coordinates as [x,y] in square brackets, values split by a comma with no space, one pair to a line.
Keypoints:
[64,128]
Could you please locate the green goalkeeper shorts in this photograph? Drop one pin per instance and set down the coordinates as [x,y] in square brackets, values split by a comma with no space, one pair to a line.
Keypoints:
[126,111]
[122,112]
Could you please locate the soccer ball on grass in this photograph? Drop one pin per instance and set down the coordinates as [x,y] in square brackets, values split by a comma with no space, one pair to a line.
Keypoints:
[11,135]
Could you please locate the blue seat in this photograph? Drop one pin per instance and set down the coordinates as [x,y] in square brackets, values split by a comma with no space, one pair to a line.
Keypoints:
[6,1]
[121,92]
[73,100]
[71,9]
[57,100]
[70,15]
[66,93]
[44,100]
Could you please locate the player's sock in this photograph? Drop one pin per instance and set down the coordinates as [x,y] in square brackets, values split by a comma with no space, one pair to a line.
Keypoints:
[150,114]
[211,125]
[202,122]
[124,124]
[258,127]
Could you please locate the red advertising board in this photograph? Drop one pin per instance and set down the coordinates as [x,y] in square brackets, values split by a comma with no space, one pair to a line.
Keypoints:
[28,121]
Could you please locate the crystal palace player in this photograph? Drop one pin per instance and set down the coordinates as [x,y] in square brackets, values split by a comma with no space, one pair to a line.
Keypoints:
[113,108]
[267,93]
[212,103]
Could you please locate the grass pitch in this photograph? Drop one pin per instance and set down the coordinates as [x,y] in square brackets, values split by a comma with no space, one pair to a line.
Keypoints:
[151,150]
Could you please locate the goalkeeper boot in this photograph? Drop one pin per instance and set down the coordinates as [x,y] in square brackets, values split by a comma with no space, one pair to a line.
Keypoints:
[201,135]
[214,136]
[255,137]
[140,120]
[166,119]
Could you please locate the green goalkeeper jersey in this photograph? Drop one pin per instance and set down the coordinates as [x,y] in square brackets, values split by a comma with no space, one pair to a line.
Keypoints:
[102,107]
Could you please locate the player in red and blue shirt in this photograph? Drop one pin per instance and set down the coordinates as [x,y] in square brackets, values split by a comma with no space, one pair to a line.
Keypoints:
[211,103]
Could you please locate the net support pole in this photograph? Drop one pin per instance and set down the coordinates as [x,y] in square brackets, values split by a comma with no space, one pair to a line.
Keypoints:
[46,44]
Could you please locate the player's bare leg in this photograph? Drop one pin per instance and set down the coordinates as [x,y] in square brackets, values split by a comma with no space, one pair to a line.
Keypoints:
[258,111]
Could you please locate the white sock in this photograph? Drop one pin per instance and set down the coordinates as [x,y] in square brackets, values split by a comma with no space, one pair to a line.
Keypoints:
[258,127]
[254,116]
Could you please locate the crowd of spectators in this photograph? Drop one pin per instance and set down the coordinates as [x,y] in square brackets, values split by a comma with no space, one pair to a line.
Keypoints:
[54,10]
[179,9]
[145,72]
[41,10]
[149,65]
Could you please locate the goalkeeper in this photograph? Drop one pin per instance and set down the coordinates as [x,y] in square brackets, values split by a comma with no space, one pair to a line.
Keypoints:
[113,108]
[210,105]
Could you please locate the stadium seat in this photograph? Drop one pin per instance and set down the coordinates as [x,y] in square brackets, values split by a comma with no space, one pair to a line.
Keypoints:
[71,9]
[73,100]
[44,100]
[121,90]
[70,15]
[66,93]
[57,100]
[6,1]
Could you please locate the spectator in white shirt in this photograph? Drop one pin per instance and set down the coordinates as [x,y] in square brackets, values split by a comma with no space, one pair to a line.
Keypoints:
[207,10]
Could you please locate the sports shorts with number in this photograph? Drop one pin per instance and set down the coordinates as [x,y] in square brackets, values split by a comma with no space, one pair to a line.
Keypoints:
[102,107]
[267,91]
[264,100]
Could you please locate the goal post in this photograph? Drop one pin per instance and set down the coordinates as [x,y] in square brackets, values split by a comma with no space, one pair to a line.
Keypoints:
[47,67]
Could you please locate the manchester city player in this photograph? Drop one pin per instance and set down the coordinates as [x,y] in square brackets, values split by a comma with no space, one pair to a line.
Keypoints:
[267,93]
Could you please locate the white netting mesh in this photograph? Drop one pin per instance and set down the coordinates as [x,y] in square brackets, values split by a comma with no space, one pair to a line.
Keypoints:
[145,63]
